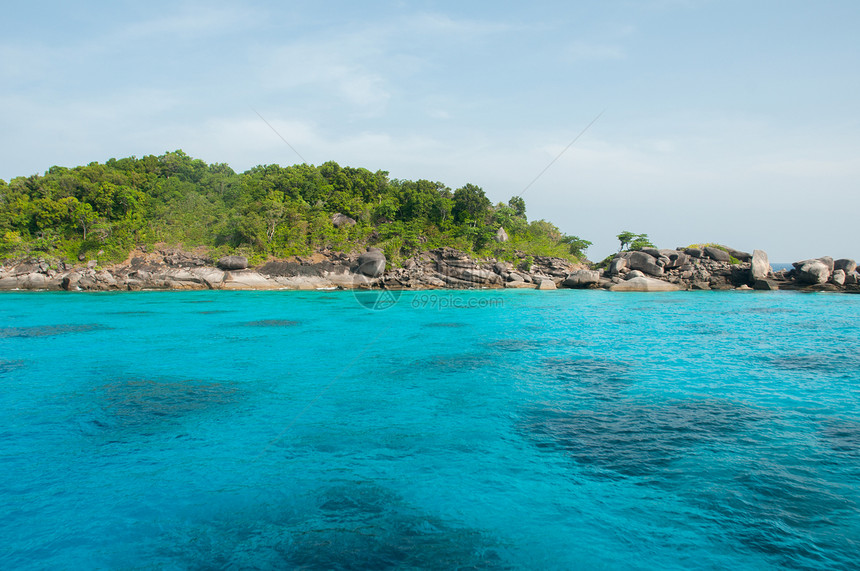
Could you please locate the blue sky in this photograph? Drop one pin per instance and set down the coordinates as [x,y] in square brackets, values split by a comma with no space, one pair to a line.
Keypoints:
[728,121]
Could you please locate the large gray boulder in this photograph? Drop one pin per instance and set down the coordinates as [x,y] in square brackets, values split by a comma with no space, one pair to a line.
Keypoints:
[581,279]
[760,267]
[644,284]
[501,235]
[812,272]
[694,252]
[35,281]
[845,264]
[371,263]
[717,254]
[478,276]
[674,258]
[233,263]
[616,265]
[339,220]
[838,277]
[739,255]
[645,263]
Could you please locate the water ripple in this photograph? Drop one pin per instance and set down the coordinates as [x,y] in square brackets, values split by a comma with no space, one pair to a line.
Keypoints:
[48,330]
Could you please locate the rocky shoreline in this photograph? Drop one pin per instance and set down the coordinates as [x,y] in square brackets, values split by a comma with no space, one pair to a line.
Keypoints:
[650,269]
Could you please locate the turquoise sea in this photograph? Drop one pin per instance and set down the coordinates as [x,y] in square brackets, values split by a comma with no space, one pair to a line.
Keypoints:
[442,430]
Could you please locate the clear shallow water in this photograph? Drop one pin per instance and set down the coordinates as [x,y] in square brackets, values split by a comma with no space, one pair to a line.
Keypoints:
[556,430]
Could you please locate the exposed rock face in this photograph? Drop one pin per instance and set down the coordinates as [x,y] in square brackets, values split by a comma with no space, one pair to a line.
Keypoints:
[717,254]
[247,279]
[644,284]
[760,267]
[813,272]
[233,263]
[581,279]
[547,283]
[371,263]
[644,262]
[339,220]
[501,235]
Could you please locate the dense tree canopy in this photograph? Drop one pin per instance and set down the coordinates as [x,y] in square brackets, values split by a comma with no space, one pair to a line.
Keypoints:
[105,210]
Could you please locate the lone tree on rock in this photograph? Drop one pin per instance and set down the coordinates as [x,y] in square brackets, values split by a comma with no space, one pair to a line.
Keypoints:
[625,238]
[634,241]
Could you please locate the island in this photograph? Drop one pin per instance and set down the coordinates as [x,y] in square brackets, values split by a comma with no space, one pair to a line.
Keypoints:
[172,222]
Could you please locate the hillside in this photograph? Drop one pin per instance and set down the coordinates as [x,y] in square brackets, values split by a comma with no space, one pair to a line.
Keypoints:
[104,211]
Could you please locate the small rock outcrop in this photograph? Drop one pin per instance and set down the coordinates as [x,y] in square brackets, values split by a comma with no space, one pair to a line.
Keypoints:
[813,272]
[501,235]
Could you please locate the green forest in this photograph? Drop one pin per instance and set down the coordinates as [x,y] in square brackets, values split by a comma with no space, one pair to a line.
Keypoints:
[103,211]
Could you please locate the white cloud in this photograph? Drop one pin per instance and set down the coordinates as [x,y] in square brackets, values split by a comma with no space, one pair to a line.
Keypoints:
[326,67]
